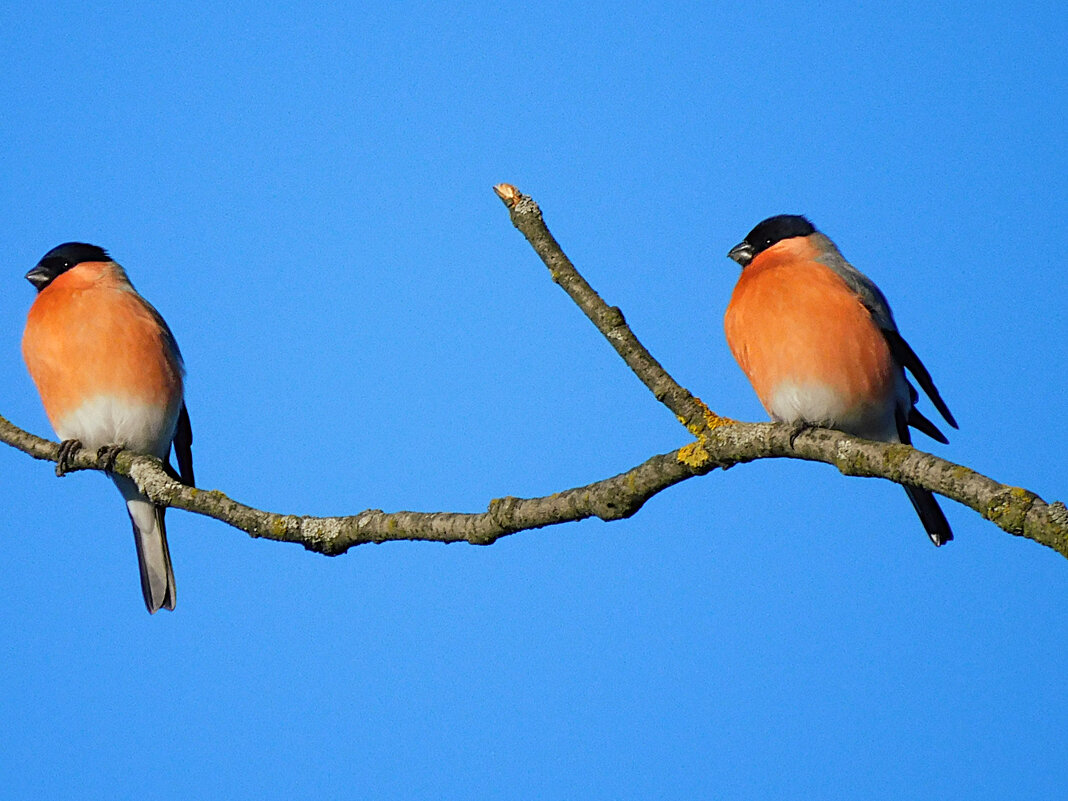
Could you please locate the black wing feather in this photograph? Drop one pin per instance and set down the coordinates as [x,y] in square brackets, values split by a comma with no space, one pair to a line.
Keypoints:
[921,423]
[183,447]
[907,358]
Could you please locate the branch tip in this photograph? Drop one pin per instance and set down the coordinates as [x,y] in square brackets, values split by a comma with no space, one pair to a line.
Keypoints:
[508,193]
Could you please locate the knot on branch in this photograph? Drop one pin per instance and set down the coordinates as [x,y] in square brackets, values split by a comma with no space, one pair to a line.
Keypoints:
[325,535]
[1009,508]
[609,506]
[613,318]
[502,513]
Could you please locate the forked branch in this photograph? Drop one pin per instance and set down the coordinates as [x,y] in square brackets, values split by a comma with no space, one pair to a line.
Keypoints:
[719,442]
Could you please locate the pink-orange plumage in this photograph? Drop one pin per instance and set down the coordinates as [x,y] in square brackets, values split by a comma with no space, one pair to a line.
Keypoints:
[817,340]
[110,375]
[89,316]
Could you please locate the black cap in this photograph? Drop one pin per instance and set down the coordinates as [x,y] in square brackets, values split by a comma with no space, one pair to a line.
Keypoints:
[769,232]
[62,258]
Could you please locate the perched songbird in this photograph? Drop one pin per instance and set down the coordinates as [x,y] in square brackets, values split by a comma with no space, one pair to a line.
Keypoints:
[110,377]
[817,340]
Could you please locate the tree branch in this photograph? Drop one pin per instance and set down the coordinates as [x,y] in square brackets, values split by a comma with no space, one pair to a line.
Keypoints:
[611,499]
[526,216]
[720,442]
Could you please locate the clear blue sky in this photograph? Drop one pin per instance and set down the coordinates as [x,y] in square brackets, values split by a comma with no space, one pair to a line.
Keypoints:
[305,194]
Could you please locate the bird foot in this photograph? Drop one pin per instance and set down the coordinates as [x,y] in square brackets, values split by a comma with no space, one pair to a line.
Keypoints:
[67,450]
[109,453]
[800,428]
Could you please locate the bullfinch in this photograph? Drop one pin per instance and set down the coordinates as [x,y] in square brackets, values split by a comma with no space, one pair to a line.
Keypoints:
[110,377]
[820,346]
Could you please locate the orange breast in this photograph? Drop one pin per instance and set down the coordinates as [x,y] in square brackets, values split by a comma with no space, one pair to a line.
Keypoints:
[792,319]
[88,334]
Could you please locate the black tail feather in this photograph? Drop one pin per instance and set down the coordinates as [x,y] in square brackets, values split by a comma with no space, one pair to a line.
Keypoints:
[934,521]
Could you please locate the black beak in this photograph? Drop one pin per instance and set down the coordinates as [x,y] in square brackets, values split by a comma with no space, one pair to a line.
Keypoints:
[40,277]
[741,253]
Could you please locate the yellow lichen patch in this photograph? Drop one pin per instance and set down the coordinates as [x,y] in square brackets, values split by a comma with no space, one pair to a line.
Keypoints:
[712,420]
[1022,494]
[694,455]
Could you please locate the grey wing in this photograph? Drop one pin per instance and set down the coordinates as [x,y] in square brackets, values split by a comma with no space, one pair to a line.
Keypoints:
[870,295]
[875,301]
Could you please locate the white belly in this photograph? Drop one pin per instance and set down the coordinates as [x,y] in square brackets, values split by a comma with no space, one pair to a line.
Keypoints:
[107,420]
[821,405]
